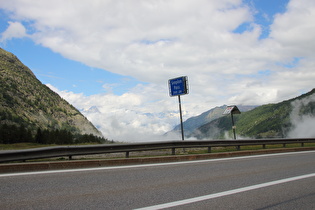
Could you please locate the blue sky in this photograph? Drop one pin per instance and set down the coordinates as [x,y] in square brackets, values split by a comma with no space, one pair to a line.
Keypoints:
[264,12]
[52,68]
[117,56]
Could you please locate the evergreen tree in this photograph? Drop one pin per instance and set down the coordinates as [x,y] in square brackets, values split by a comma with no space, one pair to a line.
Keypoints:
[39,137]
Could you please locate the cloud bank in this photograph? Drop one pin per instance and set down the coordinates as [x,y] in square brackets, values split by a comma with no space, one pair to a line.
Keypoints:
[302,125]
[130,117]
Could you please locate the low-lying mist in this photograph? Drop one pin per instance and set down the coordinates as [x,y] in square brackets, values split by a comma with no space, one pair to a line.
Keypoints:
[303,125]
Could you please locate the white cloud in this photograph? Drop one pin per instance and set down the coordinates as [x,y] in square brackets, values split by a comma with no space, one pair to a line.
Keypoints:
[294,30]
[132,116]
[154,41]
[165,37]
[14,30]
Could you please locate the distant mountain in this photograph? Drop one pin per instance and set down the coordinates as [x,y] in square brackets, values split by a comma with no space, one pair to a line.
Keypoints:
[92,109]
[26,102]
[191,124]
[283,119]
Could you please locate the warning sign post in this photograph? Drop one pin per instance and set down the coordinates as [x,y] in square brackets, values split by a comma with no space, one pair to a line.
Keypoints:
[232,110]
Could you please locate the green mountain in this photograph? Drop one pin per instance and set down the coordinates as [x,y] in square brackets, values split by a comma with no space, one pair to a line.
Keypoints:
[192,123]
[267,121]
[26,104]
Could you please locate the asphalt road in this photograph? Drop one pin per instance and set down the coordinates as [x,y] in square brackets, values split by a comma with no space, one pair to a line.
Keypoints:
[278,181]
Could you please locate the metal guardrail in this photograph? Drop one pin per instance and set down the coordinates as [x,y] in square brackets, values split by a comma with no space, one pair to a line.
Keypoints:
[70,151]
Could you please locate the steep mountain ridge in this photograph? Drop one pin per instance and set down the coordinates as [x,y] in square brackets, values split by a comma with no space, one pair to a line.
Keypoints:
[266,121]
[25,101]
[192,123]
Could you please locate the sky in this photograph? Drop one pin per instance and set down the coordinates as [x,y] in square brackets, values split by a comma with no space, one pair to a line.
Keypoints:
[112,59]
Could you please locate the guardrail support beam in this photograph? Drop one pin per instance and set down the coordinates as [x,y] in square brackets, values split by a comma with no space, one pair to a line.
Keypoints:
[173,151]
[70,151]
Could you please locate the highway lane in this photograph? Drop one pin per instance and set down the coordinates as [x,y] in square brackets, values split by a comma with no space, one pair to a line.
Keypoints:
[221,182]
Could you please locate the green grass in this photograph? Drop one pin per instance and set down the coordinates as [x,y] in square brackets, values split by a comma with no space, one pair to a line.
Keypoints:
[19,146]
[244,148]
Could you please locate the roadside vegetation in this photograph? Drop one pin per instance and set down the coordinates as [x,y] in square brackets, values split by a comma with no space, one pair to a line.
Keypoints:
[12,134]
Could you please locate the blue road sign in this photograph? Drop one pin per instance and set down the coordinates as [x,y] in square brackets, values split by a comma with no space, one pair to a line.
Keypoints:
[178,86]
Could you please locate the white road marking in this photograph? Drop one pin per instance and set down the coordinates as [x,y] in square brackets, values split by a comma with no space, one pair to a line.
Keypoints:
[150,165]
[229,192]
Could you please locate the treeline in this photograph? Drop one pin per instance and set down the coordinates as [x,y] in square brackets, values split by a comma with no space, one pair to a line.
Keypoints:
[10,134]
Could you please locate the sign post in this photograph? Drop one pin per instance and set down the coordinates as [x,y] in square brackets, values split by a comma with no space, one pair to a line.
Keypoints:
[232,110]
[181,117]
[177,87]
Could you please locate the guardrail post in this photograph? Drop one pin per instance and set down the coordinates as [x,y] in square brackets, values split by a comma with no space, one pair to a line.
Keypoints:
[302,144]
[209,149]
[173,151]
[238,147]
[127,154]
[70,157]
[264,146]
[284,145]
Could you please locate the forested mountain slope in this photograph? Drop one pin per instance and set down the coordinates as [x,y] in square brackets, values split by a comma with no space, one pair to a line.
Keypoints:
[267,121]
[192,123]
[27,104]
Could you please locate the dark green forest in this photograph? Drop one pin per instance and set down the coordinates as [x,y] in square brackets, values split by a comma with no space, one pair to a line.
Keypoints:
[10,134]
